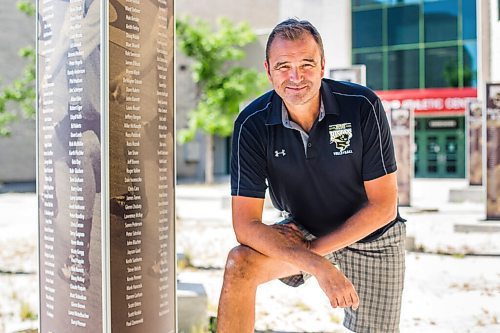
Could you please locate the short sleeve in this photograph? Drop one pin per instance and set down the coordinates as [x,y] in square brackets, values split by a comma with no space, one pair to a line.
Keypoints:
[378,149]
[248,161]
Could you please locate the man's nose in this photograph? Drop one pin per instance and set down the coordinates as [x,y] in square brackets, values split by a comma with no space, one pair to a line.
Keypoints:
[295,74]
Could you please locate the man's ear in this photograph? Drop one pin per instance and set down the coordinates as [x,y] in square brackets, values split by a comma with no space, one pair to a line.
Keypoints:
[268,70]
[323,67]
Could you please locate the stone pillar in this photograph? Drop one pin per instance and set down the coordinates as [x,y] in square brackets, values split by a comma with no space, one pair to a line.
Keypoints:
[402,130]
[106,165]
[474,126]
[492,167]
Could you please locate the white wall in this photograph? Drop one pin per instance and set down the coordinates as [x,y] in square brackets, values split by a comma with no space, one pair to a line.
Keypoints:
[17,153]
[333,21]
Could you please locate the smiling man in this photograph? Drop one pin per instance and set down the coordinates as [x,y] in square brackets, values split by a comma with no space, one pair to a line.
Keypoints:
[324,149]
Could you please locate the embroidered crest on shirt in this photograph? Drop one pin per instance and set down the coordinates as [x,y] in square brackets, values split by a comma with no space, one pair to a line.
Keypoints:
[341,135]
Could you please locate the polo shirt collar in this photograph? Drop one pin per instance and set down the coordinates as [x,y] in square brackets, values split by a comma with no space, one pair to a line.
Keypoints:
[274,114]
[328,100]
[289,123]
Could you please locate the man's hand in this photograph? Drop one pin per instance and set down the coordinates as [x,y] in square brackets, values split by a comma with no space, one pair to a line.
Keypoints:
[293,234]
[337,288]
[286,243]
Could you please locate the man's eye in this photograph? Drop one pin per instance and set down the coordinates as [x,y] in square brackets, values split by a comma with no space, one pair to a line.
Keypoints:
[283,68]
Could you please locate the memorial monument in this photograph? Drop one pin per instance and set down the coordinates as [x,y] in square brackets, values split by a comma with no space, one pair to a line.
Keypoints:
[492,174]
[106,165]
[474,116]
[402,130]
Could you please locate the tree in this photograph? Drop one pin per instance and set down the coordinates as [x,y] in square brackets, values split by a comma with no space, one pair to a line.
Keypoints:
[221,84]
[21,90]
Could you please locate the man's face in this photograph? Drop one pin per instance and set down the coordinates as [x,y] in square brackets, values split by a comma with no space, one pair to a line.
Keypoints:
[295,69]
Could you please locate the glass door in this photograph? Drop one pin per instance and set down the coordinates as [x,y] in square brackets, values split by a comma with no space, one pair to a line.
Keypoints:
[439,154]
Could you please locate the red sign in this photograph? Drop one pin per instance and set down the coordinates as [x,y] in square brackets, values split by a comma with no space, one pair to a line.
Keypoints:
[437,101]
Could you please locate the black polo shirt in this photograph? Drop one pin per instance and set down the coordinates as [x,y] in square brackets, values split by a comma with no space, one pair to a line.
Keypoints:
[317,179]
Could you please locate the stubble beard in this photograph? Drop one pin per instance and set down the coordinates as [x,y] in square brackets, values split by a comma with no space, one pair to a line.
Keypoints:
[297,97]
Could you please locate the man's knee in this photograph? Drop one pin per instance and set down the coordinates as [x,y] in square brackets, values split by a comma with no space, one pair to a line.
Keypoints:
[241,263]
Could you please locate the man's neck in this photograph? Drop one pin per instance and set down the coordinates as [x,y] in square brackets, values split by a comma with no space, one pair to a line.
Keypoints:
[305,115]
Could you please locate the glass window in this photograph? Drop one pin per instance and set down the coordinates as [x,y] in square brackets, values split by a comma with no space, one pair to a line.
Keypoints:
[404,1]
[403,24]
[403,69]
[356,3]
[441,20]
[470,64]
[441,67]
[374,69]
[469,19]
[367,28]
[368,2]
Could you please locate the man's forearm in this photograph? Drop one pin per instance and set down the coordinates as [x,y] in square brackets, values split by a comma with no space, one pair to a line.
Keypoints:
[280,245]
[379,210]
[357,227]
[285,243]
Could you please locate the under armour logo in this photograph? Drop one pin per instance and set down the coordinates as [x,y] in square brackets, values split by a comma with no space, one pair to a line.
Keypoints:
[279,153]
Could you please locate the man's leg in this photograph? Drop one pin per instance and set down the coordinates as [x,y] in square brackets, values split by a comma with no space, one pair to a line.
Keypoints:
[376,270]
[245,270]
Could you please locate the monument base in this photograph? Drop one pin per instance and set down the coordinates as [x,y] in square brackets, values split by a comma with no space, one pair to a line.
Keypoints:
[470,194]
[483,226]
[192,306]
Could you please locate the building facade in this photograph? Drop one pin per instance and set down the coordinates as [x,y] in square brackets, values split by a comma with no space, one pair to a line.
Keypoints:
[422,54]
[433,56]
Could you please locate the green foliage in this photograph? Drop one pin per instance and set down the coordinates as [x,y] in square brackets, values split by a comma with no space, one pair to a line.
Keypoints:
[221,84]
[27,313]
[452,75]
[22,90]
[27,7]
[212,325]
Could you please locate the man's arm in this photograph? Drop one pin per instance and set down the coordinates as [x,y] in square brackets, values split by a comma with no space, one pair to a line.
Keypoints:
[380,209]
[285,244]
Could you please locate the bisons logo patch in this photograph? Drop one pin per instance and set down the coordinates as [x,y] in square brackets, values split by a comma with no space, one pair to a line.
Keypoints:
[341,135]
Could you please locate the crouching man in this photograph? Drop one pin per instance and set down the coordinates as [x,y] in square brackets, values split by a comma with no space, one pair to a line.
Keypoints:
[324,149]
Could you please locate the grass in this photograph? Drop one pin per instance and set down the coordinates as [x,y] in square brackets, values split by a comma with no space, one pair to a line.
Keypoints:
[27,312]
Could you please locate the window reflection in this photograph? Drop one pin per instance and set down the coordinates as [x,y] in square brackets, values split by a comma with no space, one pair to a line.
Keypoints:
[441,20]
[409,44]
[403,69]
[374,68]
[403,23]
[469,19]
[369,2]
[470,64]
[367,28]
[356,3]
[441,67]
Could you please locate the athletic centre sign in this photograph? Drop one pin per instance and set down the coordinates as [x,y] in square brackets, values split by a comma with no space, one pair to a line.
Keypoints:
[429,102]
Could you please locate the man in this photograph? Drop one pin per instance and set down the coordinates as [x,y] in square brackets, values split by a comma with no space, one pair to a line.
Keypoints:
[325,151]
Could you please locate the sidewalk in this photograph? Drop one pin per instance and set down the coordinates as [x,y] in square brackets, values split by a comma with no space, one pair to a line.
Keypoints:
[443,293]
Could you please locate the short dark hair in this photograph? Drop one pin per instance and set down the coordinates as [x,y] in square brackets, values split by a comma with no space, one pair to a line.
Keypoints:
[293,29]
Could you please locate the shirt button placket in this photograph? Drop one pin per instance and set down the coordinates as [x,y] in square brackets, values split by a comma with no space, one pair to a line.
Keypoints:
[309,150]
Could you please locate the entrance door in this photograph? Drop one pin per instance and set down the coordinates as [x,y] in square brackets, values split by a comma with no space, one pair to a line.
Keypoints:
[440,153]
